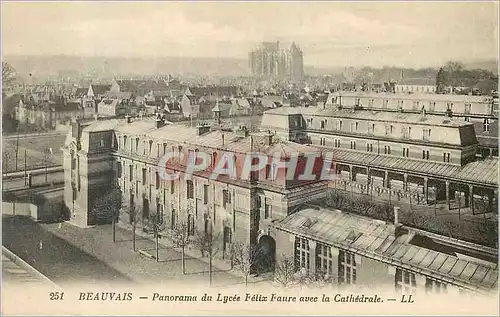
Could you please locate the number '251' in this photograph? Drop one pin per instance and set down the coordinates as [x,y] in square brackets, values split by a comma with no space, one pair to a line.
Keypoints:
[56,295]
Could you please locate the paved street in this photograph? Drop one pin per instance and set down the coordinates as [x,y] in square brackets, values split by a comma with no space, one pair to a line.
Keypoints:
[71,254]
[55,258]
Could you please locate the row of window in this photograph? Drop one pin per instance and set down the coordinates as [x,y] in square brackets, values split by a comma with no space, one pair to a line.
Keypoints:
[226,197]
[388,150]
[389,129]
[191,221]
[405,281]
[417,105]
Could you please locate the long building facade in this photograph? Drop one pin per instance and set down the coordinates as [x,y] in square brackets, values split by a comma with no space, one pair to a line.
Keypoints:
[481,111]
[279,215]
[128,153]
[407,157]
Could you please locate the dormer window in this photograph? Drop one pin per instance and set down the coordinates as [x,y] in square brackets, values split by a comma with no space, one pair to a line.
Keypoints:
[467,108]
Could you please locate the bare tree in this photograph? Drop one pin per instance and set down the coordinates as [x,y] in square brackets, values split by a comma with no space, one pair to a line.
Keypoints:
[8,74]
[284,271]
[134,213]
[158,226]
[487,231]
[7,156]
[181,239]
[208,243]
[449,227]
[415,218]
[245,258]
[320,280]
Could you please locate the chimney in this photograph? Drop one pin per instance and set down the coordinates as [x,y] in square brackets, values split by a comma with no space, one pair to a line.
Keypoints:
[128,118]
[398,228]
[449,113]
[159,123]
[202,129]
[242,131]
[396,219]
[269,138]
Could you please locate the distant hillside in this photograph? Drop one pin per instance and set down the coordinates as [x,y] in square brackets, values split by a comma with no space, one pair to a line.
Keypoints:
[41,66]
[490,65]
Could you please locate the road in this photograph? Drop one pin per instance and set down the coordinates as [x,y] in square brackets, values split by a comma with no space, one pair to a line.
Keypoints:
[14,136]
[61,262]
[72,255]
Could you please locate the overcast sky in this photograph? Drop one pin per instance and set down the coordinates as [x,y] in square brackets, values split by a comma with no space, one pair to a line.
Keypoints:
[330,33]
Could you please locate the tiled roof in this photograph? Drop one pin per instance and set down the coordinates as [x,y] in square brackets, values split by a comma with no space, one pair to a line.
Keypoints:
[217,90]
[100,89]
[81,92]
[118,94]
[377,240]
[487,141]
[102,125]
[137,85]
[483,172]
[416,96]
[418,81]
[108,102]
[212,139]
[69,106]
[400,117]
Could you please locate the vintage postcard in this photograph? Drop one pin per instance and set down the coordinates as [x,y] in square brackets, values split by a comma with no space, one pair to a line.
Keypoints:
[249,158]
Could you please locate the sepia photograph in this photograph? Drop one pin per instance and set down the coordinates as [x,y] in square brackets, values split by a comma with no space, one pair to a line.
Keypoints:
[307,158]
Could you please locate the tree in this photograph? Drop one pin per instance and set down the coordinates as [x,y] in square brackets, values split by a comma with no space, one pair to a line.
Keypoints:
[7,156]
[208,243]
[487,231]
[8,75]
[181,239]
[134,213]
[441,81]
[453,67]
[284,271]
[158,226]
[245,257]
[108,205]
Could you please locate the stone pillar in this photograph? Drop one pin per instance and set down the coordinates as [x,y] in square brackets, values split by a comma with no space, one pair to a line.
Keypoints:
[447,183]
[312,257]
[351,173]
[490,202]
[494,200]
[467,198]
[426,189]
[405,182]
[471,198]
[386,179]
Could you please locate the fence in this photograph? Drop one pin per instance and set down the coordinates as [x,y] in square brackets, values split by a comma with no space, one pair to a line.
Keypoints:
[20,209]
